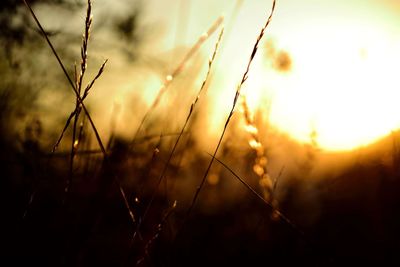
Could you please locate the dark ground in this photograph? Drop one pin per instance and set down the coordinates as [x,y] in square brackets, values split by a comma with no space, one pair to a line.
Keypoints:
[358,222]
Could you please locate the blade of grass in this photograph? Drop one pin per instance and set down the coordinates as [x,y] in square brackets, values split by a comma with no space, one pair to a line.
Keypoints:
[85,94]
[70,117]
[79,80]
[255,193]
[98,151]
[192,107]
[237,94]
[179,68]
[90,85]
[156,234]
[68,77]
[78,97]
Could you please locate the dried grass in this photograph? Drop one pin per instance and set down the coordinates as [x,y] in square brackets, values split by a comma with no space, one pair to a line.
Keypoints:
[237,94]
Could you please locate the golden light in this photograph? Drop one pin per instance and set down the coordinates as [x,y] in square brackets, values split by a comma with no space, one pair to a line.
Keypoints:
[326,70]
[341,79]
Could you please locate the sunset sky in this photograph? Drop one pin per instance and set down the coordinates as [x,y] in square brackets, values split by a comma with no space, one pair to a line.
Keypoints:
[343,79]
[342,58]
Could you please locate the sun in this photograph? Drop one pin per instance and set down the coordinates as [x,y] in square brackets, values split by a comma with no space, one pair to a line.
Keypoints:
[326,70]
[334,73]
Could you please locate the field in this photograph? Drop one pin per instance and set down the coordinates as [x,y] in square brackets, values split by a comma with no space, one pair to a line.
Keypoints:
[96,174]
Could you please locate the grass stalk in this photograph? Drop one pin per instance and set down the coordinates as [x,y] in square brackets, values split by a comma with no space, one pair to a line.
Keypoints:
[156,234]
[79,80]
[192,108]
[260,167]
[178,69]
[96,132]
[79,98]
[237,94]
[73,113]
[279,214]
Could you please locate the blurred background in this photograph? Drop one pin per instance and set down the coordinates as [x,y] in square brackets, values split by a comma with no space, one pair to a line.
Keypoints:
[315,133]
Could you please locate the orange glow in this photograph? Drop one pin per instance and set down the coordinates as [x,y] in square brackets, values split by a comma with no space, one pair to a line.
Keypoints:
[344,82]
[327,70]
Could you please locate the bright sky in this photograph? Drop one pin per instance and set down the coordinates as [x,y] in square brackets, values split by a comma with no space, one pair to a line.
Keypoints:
[342,81]
[345,55]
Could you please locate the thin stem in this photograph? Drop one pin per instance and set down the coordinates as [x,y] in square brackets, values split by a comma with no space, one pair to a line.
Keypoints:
[237,94]
[85,94]
[78,97]
[68,78]
[192,107]
[267,203]
[179,68]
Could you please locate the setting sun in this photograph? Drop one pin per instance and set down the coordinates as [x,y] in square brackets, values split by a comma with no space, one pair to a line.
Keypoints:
[343,82]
